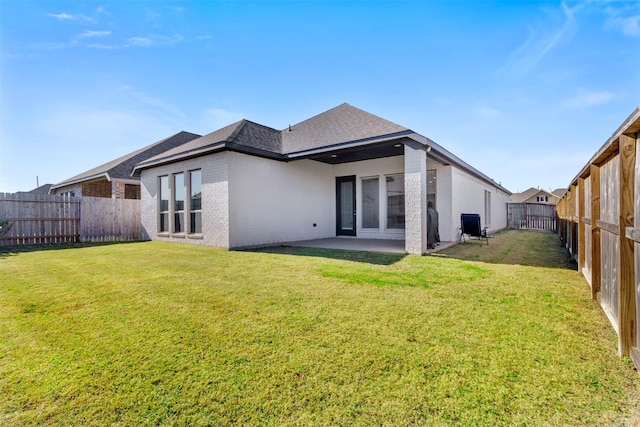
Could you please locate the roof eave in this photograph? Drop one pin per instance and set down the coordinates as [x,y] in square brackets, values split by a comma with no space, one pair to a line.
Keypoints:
[351,144]
[79,180]
[442,154]
[218,146]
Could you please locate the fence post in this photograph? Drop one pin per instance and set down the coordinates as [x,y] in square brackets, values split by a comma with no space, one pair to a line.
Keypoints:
[596,259]
[626,271]
[581,225]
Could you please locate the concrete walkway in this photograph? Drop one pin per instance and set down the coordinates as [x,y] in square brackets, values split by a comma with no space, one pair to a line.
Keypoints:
[366,245]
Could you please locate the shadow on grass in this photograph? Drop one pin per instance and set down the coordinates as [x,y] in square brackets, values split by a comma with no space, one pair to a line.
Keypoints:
[515,247]
[6,251]
[378,258]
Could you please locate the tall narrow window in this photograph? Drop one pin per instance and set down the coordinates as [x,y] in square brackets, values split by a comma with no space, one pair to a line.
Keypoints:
[395,202]
[370,203]
[195,202]
[178,203]
[487,208]
[164,204]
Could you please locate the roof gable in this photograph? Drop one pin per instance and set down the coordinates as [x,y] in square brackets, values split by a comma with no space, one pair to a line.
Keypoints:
[343,123]
[528,194]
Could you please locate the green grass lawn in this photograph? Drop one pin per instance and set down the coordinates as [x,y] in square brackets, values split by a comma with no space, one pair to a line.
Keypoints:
[155,333]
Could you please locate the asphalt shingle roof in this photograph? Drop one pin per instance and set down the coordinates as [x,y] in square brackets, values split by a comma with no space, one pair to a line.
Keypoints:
[123,166]
[343,123]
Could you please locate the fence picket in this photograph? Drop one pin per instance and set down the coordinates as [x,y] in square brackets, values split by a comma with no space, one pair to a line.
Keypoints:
[532,216]
[44,219]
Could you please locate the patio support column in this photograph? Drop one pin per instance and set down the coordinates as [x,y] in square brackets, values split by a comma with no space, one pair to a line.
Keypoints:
[415,194]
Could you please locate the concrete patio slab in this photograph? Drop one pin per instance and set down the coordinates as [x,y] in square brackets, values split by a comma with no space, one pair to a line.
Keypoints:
[366,245]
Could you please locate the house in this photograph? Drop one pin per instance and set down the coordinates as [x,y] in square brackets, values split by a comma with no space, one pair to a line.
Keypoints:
[41,190]
[536,195]
[344,172]
[113,179]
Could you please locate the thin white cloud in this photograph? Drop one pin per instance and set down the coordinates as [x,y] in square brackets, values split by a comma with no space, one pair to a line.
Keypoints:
[149,103]
[215,118]
[541,41]
[629,26]
[623,17]
[103,46]
[69,17]
[587,99]
[92,34]
[139,41]
[61,16]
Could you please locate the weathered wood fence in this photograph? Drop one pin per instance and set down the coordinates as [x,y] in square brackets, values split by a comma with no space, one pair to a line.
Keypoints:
[41,219]
[600,225]
[532,216]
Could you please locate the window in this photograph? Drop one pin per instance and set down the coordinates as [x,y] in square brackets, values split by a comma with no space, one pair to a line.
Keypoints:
[178,202]
[164,204]
[487,208]
[195,202]
[370,203]
[395,202]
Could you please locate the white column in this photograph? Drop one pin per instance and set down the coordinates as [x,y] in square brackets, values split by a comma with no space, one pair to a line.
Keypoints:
[415,198]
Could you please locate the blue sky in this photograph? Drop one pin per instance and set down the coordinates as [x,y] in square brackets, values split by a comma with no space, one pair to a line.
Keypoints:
[524,91]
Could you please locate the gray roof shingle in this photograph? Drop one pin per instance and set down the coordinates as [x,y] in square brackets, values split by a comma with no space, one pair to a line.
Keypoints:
[242,135]
[343,123]
[123,166]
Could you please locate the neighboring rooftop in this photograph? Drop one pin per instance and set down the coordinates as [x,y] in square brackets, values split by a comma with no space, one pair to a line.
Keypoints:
[122,167]
[531,192]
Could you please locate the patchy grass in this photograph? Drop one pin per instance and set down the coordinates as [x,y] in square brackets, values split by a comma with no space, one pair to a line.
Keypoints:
[155,333]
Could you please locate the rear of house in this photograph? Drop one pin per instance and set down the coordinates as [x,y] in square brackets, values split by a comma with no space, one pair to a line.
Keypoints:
[344,173]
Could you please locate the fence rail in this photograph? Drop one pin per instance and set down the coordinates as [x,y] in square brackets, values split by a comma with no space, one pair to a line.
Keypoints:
[532,216]
[30,219]
[599,222]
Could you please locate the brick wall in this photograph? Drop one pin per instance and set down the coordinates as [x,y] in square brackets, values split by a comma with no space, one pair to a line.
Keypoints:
[215,201]
[132,191]
[102,188]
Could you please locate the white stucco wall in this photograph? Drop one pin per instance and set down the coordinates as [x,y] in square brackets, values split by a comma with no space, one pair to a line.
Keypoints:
[444,199]
[468,197]
[273,202]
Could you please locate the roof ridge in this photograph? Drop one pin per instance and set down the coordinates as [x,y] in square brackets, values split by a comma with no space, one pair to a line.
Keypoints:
[319,114]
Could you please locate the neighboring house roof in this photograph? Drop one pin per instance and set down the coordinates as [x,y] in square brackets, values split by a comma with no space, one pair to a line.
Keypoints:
[122,167]
[559,192]
[339,128]
[43,189]
[528,194]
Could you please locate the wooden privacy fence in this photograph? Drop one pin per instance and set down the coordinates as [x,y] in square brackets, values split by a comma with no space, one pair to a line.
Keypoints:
[599,222]
[30,219]
[532,216]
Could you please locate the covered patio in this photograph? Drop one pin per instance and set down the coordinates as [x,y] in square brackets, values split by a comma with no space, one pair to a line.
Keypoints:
[366,245]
